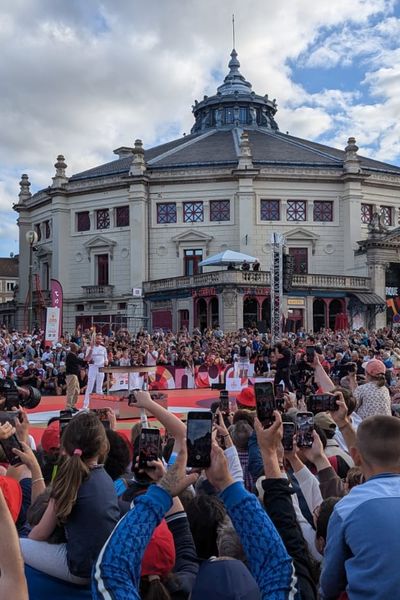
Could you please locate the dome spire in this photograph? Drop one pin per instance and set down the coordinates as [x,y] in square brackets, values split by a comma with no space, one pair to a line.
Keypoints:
[234,81]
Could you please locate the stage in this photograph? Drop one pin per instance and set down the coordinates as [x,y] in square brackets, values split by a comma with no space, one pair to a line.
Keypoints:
[179,402]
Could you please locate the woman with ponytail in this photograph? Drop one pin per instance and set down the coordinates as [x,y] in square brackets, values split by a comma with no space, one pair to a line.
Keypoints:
[373,397]
[82,500]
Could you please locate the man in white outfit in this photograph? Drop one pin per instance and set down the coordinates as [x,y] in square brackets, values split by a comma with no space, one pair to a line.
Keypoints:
[99,358]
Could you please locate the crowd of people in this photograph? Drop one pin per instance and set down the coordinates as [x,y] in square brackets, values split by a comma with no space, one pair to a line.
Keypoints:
[270,517]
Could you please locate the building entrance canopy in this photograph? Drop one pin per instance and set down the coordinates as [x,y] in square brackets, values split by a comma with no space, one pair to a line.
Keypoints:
[370,299]
[226,258]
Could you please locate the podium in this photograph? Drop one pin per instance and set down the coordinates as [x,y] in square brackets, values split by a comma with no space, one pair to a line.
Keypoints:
[118,400]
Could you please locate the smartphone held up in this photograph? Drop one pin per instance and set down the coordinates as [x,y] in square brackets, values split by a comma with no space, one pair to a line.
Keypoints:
[199,439]
[265,403]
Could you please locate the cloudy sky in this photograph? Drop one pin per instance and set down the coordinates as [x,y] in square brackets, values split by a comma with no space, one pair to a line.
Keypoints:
[82,77]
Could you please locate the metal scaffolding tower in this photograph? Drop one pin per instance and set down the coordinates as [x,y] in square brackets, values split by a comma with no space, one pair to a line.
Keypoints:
[277,242]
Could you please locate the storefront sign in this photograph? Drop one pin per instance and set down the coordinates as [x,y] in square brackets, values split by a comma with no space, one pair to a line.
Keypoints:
[203,292]
[295,302]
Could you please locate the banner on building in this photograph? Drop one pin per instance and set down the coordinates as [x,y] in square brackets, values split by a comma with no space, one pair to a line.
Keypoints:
[57,301]
[52,325]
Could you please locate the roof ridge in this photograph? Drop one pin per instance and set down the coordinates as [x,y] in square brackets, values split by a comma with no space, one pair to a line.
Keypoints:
[180,147]
[293,142]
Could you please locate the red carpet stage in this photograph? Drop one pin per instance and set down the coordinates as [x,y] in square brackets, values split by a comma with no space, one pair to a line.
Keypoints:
[178,401]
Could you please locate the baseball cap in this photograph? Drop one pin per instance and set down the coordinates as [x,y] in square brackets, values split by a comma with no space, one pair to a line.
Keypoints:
[325,421]
[58,345]
[375,367]
[51,437]
[30,363]
[225,579]
[12,494]
[243,341]
[247,397]
[159,556]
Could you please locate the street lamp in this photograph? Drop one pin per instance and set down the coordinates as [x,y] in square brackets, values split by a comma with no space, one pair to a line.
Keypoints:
[32,239]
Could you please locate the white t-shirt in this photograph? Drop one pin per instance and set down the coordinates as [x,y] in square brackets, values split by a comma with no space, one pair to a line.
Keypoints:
[151,358]
[99,356]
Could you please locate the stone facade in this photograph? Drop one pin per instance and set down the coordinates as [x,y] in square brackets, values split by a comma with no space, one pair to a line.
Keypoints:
[127,260]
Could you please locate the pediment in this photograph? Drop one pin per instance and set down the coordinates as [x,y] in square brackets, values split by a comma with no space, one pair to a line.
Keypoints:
[192,236]
[299,233]
[98,242]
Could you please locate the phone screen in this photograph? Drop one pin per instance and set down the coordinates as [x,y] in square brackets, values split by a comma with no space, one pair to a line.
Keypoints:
[199,429]
[65,417]
[224,401]
[149,446]
[102,413]
[8,445]
[289,429]
[305,428]
[321,403]
[265,403]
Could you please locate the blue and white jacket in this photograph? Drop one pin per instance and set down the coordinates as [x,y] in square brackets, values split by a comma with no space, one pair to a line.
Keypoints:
[363,543]
[116,575]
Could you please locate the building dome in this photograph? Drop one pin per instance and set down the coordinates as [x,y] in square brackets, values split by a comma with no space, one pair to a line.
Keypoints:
[234,104]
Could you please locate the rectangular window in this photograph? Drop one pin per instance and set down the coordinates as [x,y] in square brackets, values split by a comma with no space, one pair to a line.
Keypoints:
[300,260]
[47,230]
[166,212]
[387,215]
[220,210]
[323,211]
[38,231]
[10,286]
[122,216]
[229,115]
[191,261]
[45,276]
[102,269]
[366,213]
[103,218]
[270,210]
[296,210]
[193,212]
[83,221]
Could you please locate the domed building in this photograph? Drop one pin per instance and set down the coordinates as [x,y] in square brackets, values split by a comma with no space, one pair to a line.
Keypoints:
[125,238]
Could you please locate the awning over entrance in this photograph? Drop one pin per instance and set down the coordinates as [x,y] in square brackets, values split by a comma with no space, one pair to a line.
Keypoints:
[369,298]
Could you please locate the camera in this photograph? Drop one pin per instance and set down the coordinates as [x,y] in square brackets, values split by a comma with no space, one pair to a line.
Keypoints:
[13,395]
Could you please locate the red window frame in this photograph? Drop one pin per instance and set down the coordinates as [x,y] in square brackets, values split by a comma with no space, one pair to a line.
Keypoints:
[270,210]
[366,213]
[300,260]
[83,221]
[102,261]
[122,216]
[220,210]
[193,212]
[323,211]
[166,213]
[296,210]
[103,218]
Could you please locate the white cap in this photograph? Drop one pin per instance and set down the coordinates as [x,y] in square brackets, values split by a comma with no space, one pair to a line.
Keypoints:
[62,364]
[30,363]
[243,341]
[58,345]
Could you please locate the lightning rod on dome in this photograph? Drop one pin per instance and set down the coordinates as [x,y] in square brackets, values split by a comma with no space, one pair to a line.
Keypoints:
[233,31]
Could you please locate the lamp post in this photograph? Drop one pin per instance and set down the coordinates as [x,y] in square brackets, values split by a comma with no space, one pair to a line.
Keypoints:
[32,239]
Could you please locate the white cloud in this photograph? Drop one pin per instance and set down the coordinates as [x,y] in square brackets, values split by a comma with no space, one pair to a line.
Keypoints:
[82,78]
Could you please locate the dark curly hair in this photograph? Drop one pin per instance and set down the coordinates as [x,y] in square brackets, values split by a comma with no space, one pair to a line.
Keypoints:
[118,458]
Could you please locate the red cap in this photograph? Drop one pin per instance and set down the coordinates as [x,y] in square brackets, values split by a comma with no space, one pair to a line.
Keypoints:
[159,556]
[375,367]
[51,437]
[13,495]
[247,397]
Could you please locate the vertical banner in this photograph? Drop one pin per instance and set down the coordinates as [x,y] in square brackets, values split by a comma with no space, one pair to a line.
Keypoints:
[57,302]
[52,325]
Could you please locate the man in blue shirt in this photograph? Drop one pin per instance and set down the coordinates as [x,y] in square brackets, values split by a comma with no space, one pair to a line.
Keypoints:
[363,534]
